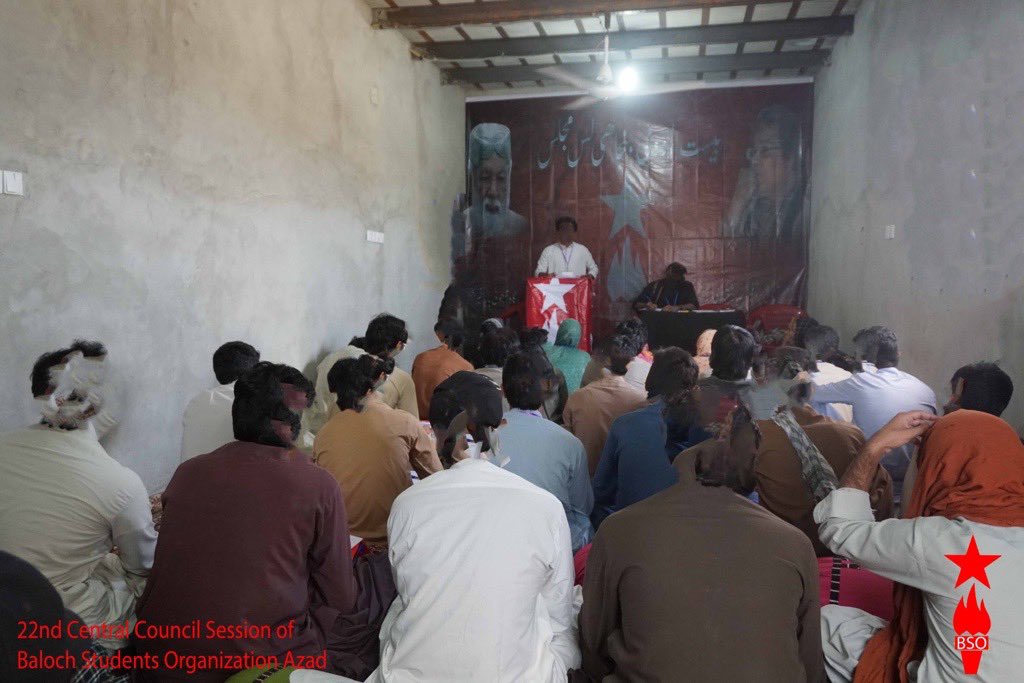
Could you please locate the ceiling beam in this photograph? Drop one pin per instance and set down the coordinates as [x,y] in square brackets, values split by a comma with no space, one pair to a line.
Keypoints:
[632,40]
[507,11]
[804,59]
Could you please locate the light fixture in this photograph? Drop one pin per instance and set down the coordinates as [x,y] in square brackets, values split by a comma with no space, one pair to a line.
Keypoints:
[628,79]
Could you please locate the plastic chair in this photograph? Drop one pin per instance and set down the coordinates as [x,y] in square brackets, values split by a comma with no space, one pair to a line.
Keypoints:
[774,316]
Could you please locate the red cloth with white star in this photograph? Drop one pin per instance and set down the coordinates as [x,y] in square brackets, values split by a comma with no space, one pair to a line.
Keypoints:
[551,300]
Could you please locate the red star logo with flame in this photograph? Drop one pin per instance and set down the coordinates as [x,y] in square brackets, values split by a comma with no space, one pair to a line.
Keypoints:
[972,564]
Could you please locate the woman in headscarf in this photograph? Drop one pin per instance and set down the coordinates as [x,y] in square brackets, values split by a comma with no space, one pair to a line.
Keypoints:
[566,355]
[962,537]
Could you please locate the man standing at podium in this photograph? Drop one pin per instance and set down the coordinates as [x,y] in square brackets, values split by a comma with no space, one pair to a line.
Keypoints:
[671,293]
[566,258]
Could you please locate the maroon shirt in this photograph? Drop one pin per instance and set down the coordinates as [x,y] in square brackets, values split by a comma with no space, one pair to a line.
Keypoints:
[250,533]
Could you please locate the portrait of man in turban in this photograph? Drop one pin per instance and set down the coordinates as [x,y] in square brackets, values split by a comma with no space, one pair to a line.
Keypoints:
[490,167]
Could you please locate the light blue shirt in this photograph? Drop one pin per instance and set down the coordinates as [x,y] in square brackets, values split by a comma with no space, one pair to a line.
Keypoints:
[877,397]
[548,456]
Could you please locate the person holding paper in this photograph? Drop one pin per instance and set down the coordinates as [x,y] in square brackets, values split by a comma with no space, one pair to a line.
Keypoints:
[673,292]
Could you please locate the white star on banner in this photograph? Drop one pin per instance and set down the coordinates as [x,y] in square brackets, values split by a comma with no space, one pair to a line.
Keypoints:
[554,294]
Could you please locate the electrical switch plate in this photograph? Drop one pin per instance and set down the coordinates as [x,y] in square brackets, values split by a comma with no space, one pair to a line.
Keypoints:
[890,232]
[14,183]
[375,237]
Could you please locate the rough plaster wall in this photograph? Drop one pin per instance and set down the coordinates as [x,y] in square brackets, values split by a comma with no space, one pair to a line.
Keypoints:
[200,171]
[918,123]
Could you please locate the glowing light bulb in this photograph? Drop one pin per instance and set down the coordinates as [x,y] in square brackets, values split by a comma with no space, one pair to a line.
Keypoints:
[628,80]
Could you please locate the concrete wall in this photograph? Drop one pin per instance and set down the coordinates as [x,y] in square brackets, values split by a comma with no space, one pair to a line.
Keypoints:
[200,171]
[919,124]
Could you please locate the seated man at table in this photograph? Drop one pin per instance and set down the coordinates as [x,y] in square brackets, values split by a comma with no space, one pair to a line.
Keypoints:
[673,292]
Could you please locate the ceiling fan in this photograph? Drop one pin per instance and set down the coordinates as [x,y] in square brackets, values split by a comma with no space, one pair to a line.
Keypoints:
[608,84]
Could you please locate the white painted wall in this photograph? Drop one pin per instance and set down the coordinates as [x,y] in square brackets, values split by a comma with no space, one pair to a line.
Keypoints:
[203,171]
[919,122]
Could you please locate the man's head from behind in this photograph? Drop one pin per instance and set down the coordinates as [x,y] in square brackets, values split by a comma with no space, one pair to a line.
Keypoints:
[68,383]
[465,403]
[821,341]
[636,331]
[732,353]
[877,345]
[672,372]
[522,383]
[730,461]
[617,352]
[984,387]
[450,333]
[232,360]
[498,346]
[386,336]
[269,400]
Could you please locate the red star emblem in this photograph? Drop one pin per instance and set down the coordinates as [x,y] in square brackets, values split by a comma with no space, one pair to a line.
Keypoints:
[972,564]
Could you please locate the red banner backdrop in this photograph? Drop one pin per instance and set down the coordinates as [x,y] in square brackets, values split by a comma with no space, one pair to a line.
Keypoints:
[714,179]
[550,300]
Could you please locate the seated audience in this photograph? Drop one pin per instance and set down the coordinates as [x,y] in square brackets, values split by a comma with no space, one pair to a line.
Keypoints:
[673,292]
[982,386]
[961,539]
[543,453]
[732,357]
[636,374]
[566,355]
[788,440]
[253,531]
[637,458]
[370,448]
[703,356]
[207,421]
[496,347]
[432,367]
[697,583]
[766,392]
[866,345]
[822,342]
[552,381]
[482,562]
[876,396]
[589,412]
[386,337]
[65,504]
